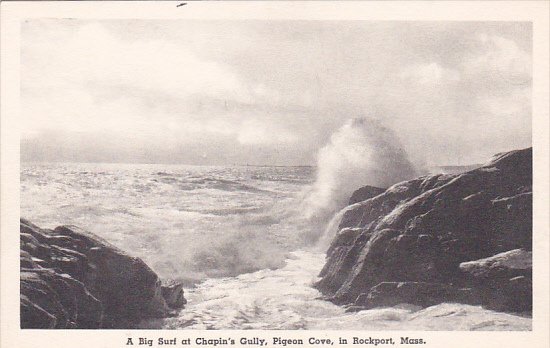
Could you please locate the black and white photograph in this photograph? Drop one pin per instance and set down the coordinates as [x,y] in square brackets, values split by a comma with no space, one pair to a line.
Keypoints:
[257,174]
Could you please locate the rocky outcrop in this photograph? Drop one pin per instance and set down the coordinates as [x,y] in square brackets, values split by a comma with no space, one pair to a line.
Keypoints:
[412,241]
[505,280]
[417,293]
[173,295]
[364,193]
[71,278]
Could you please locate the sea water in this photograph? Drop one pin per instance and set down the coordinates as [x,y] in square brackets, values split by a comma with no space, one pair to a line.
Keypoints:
[238,237]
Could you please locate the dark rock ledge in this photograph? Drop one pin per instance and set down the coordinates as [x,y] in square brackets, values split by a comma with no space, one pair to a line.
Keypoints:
[71,278]
[463,238]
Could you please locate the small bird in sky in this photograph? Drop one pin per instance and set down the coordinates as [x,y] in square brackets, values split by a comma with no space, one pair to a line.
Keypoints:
[181,4]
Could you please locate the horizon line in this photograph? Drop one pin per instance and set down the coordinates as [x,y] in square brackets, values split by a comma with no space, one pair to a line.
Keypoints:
[174,164]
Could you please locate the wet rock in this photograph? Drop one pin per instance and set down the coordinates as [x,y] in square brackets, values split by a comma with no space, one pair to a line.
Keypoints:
[387,294]
[365,193]
[422,230]
[173,295]
[504,280]
[40,300]
[345,237]
[35,317]
[70,278]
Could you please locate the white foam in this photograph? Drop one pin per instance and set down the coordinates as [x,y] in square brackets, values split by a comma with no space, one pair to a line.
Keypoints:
[284,299]
[362,152]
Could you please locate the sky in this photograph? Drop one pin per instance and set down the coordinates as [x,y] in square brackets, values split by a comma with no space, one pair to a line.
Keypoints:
[270,92]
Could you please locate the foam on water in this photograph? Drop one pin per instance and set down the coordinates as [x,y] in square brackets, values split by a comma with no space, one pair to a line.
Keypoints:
[237,237]
[188,223]
[285,299]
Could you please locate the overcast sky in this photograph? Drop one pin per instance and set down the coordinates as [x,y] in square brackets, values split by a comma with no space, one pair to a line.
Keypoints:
[270,92]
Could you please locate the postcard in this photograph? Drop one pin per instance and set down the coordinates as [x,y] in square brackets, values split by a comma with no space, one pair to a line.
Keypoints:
[283,174]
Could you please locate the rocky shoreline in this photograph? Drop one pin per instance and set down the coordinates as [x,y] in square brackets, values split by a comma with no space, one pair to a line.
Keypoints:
[463,238]
[71,278]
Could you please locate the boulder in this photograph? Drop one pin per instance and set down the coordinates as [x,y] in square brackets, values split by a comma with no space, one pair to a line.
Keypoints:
[504,280]
[420,231]
[173,295]
[71,278]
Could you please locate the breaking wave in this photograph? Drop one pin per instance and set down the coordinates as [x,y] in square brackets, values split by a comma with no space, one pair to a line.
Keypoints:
[362,152]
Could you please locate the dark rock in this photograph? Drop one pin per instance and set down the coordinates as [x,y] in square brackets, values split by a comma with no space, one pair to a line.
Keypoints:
[173,295]
[137,292]
[420,231]
[353,309]
[364,193]
[42,298]
[504,280]
[345,237]
[35,317]
[71,278]
[509,264]
[422,294]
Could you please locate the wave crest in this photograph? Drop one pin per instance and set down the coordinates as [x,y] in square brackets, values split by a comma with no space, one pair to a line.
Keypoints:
[362,152]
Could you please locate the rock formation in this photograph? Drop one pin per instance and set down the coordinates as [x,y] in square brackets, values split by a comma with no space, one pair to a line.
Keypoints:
[365,193]
[505,279]
[441,238]
[71,278]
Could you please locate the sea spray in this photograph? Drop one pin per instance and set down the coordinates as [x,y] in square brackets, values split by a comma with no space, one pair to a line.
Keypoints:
[362,152]
[193,223]
[332,227]
[170,222]
[189,223]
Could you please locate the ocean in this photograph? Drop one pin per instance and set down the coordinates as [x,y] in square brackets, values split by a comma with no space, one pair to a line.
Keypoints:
[247,241]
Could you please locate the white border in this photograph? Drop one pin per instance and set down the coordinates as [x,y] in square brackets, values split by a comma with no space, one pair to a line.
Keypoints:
[11,14]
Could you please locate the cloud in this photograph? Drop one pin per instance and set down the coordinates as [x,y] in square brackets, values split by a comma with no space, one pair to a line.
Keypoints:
[92,55]
[266,90]
[501,56]
[92,81]
[253,132]
[430,74]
